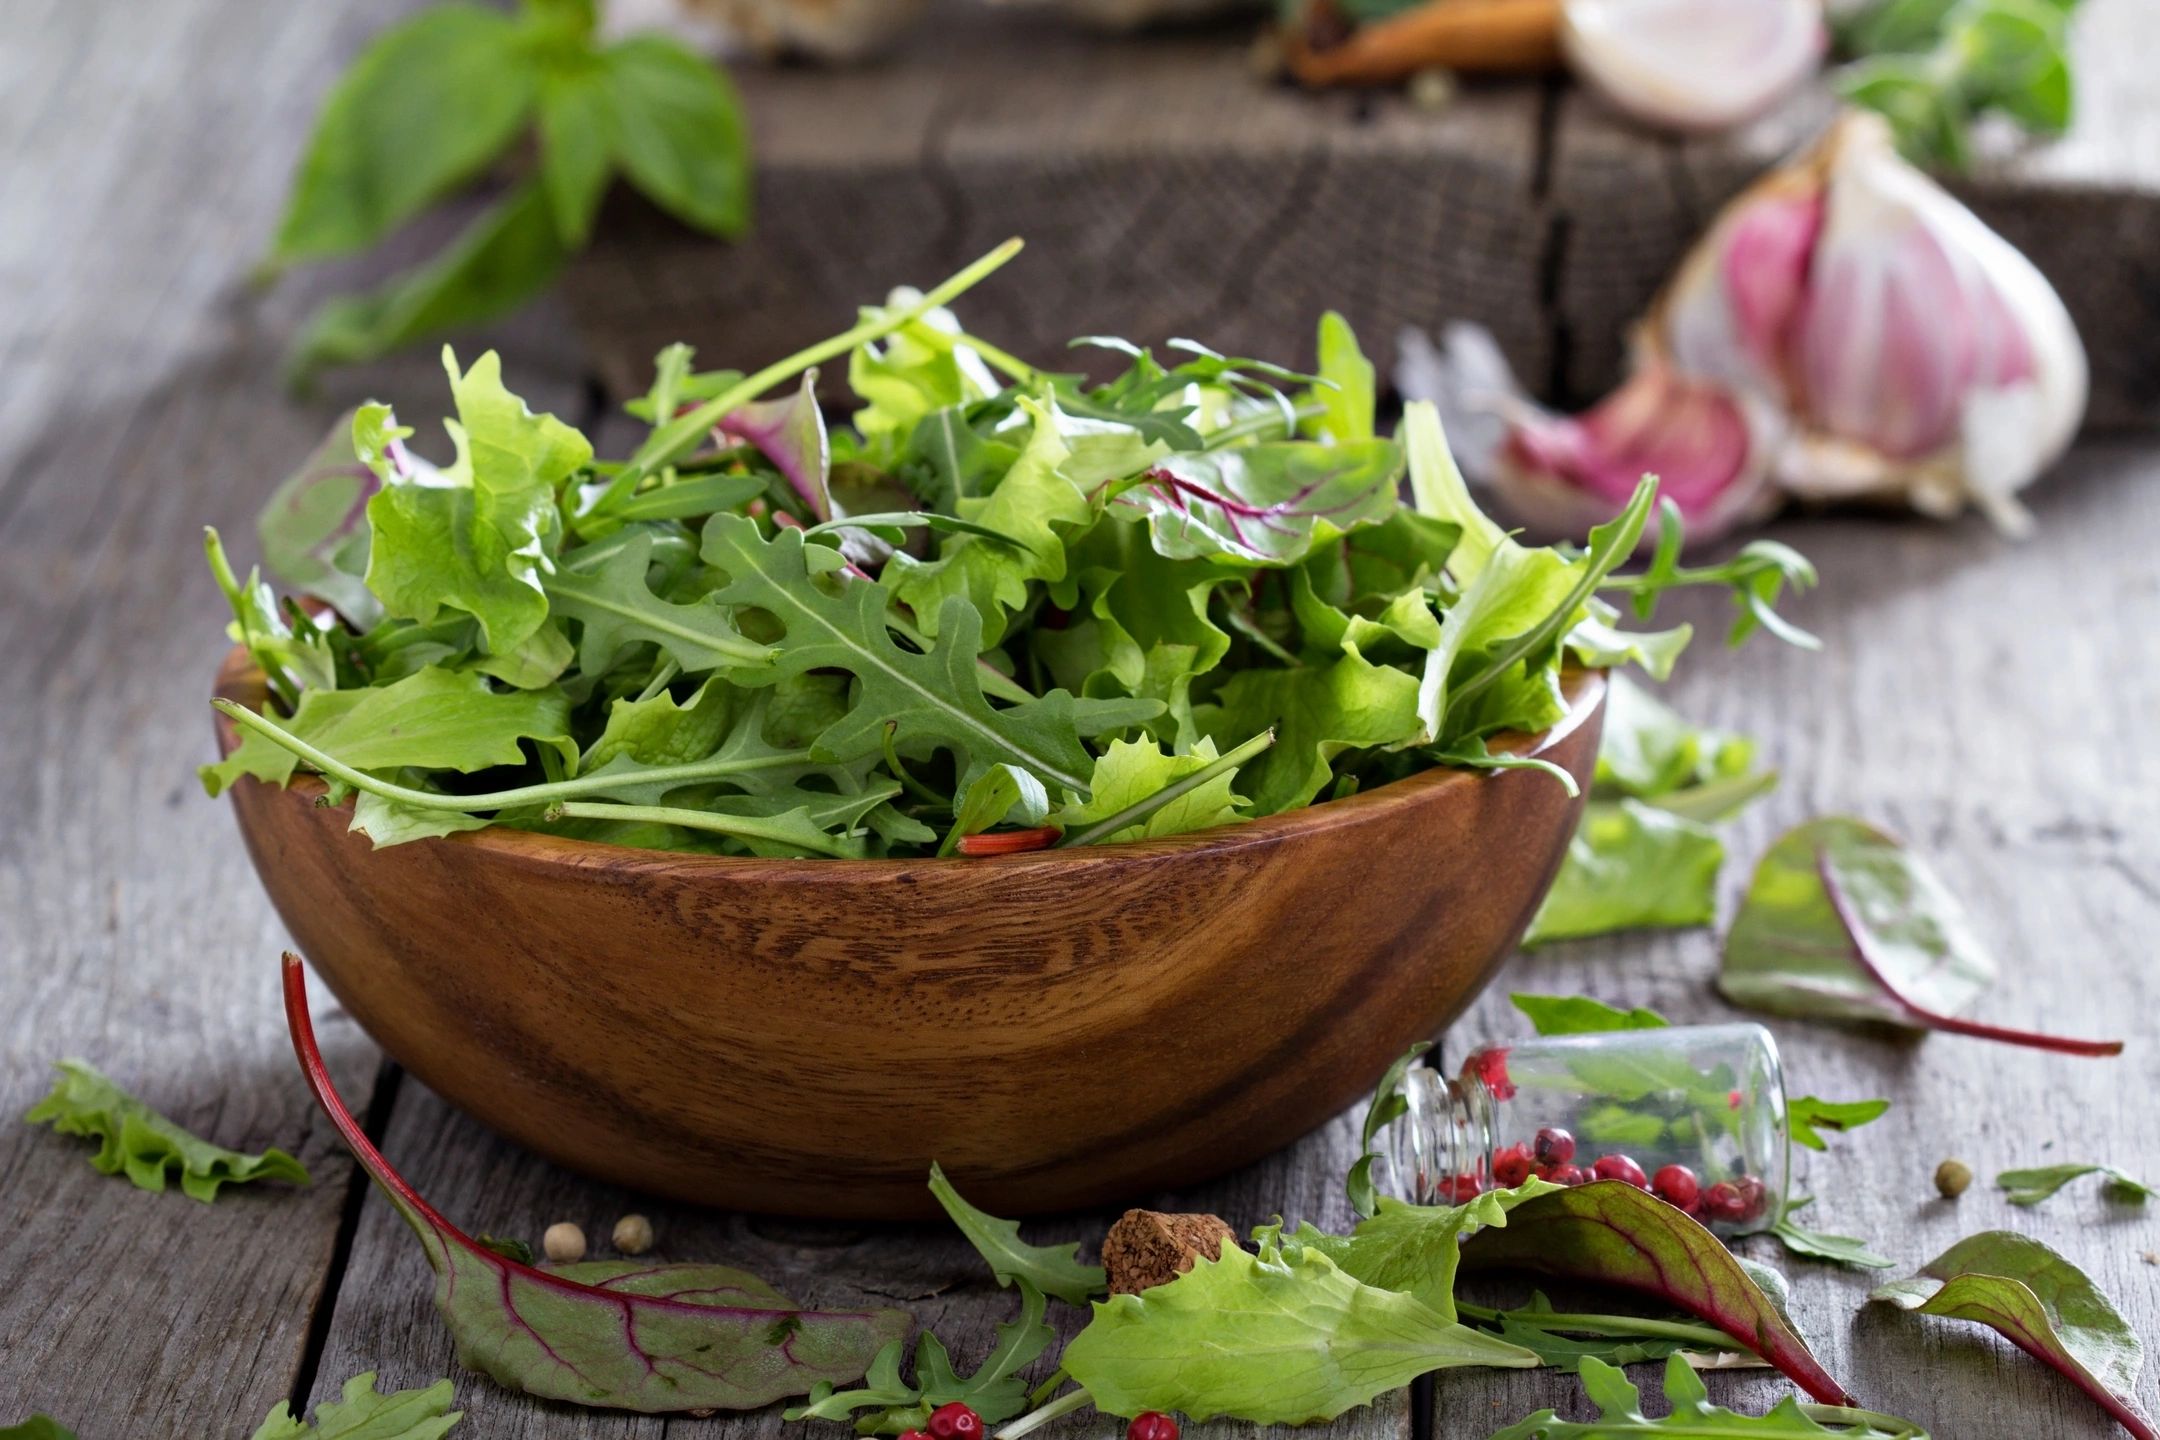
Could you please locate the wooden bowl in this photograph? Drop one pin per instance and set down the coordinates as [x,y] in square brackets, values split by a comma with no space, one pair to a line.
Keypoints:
[1059,1029]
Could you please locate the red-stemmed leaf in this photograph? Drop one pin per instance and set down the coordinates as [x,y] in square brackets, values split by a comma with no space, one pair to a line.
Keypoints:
[1610,1233]
[2042,1304]
[1842,922]
[791,434]
[621,1335]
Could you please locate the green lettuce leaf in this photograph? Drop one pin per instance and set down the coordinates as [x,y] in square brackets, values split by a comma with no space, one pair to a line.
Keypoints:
[1131,770]
[479,535]
[1630,865]
[145,1146]
[1347,400]
[1317,712]
[365,1414]
[1580,1015]
[1265,504]
[1284,1336]
[1415,1249]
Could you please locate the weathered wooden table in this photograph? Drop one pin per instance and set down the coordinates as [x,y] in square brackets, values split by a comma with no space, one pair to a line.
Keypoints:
[1994,702]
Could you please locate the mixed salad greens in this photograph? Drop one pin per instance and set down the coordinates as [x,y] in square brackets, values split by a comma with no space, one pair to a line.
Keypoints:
[1004,607]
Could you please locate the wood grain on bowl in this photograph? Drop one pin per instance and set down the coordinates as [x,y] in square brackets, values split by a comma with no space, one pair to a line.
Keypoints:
[1059,1029]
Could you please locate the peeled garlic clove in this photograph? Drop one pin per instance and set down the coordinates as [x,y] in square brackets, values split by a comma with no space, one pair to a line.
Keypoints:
[1709,448]
[1692,64]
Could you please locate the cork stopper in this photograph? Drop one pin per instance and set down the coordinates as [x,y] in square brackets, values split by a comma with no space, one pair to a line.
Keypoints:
[1147,1248]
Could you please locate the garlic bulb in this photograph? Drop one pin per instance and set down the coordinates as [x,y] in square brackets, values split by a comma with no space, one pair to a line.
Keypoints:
[1845,329]
[1693,64]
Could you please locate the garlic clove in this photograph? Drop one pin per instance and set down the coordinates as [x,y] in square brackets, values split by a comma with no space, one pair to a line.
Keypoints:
[1709,447]
[1693,65]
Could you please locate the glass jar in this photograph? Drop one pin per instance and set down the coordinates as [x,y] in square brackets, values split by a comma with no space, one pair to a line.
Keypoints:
[1693,1113]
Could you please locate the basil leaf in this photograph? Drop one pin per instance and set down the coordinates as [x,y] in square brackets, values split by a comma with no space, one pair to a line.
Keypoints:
[575,160]
[431,102]
[678,133]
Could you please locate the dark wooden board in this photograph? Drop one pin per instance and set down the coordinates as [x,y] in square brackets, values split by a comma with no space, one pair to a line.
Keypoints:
[1161,184]
[1993,701]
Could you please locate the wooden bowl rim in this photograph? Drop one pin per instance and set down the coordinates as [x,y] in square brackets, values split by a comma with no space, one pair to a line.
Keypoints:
[239,680]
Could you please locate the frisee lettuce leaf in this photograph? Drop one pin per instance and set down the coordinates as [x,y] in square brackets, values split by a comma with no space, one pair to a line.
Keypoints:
[145,1146]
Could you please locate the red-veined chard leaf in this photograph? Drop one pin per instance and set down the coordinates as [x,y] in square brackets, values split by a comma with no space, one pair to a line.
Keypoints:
[2041,1303]
[1610,1233]
[623,1335]
[791,434]
[1620,1414]
[1264,504]
[1842,922]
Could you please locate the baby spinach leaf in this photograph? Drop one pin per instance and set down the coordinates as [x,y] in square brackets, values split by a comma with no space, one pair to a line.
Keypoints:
[366,1414]
[1807,1116]
[135,1140]
[1630,865]
[1610,1233]
[622,1335]
[2041,1303]
[1581,1015]
[2030,1187]
[1284,1336]
[430,102]
[1051,1269]
[1842,922]
[1620,1414]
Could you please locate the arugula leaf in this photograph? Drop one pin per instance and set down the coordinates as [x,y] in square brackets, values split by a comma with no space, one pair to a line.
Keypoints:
[616,610]
[2030,1187]
[1808,1115]
[1610,1233]
[365,1414]
[1283,1336]
[426,106]
[1620,1414]
[616,1334]
[1842,922]
[2042,1304]
[1564,1341]
[994,1392]
[147,1147]
[1580,1015]
[1051,1269]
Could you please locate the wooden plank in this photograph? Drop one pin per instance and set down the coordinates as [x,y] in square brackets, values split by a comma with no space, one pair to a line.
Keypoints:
[143,402]
[1163,190]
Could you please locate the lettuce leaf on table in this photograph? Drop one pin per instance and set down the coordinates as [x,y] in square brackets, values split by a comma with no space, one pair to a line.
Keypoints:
[145,1146]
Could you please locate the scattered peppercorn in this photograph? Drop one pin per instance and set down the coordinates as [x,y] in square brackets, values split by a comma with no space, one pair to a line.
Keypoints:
[955,1421]
[633,1235]
[1620,1167]
[563,1243]
[1490,1068]
[1677,1185]
[1952,1178]
[913,1435]
[1511,1166]
[1562,1174]
[1753,1195]
[1152,1425]
[1553,1146]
